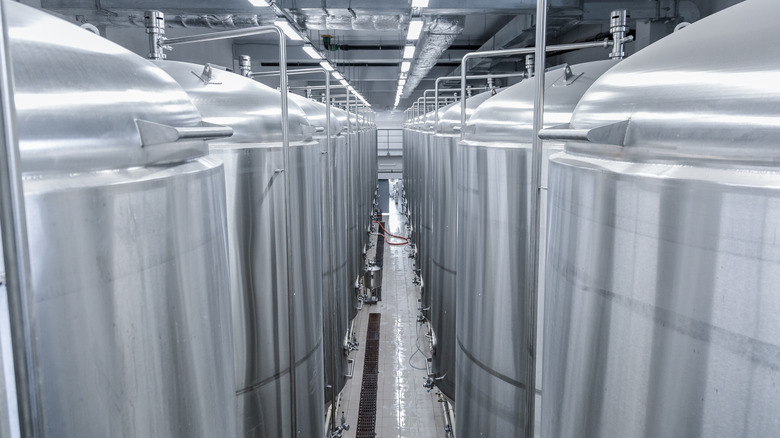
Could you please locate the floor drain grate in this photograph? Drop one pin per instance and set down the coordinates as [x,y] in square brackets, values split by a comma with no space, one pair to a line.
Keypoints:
[366,423]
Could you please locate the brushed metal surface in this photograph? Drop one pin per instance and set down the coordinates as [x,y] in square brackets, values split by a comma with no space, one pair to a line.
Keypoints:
[131,309]
[443,239]
[493,305]
[86,96]
[662,261]
[253,161]
[335,317]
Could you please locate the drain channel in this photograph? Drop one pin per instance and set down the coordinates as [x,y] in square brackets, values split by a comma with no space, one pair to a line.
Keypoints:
[366,423]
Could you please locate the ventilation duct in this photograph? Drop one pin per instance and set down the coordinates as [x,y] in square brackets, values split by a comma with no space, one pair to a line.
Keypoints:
[440,33]
[345,19]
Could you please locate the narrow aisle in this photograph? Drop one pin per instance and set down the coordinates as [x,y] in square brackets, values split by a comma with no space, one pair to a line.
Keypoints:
[405,409]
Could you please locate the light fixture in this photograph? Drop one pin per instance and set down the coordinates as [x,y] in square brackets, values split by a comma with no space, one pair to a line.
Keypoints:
[259,3]
[415,28]
[405,66]
[337,76]
[288,30]
[326,65]
[311,51]
[402,81]
[419,3]
[344,82]
[409,52]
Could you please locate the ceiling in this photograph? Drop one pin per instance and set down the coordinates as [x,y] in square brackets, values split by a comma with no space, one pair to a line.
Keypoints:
[371,34]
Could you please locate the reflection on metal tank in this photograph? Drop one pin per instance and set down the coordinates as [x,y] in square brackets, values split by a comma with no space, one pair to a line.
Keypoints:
[493,305]
[442,255]
[342,206]
[354,231]
[424,184]
[127,239]
[335,317]
[663,263]
[254,163]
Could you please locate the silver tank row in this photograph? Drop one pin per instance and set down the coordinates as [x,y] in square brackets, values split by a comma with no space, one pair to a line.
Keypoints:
[157,228]
[658,267]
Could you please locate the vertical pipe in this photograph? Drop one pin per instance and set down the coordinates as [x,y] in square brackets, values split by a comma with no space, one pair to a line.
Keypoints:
[536,181]
[16,255]
[288,226]
[463,69]
[436,105]
[333,286]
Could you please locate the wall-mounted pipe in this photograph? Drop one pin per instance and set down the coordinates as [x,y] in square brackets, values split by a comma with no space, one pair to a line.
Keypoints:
[21,397]
[158,42]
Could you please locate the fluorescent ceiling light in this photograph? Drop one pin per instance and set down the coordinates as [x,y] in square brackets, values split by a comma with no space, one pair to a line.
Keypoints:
[419,3]
[326,65]
[337,76]
[344,82]
[259,3]
[409,52]
[415,28]
[288,30]
[405,66]
[311,51]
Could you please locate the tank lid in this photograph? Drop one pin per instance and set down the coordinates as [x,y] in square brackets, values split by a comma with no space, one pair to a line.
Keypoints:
[681,100]
[508,116]
[449,122]
[251,108]
[316,115]
[102,107]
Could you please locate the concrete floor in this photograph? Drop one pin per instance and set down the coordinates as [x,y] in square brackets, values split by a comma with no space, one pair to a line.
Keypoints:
[405,409]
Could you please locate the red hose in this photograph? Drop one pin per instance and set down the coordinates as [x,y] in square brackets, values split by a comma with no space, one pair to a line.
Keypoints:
[385,234]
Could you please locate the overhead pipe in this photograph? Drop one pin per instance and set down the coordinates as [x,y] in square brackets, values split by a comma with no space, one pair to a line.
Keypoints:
[155,22]
[21,394]
[618,29]
[441,79]
[510,52]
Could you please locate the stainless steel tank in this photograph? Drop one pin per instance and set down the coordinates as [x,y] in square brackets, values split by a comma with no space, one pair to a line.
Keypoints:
[493,303]
[662,262]
[354,228]
[335,304]
[127,238]
[442,258]
[254,164]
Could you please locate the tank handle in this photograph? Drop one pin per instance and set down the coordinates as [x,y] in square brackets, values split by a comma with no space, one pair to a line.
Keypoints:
[153,134]
[614,133]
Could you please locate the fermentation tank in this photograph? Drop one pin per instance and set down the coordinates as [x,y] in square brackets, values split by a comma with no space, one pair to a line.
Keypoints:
[254,166]
[354,228]
[130,305]
[493,303]
[443,239]
[663,261]
[335,284]
[425,185]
